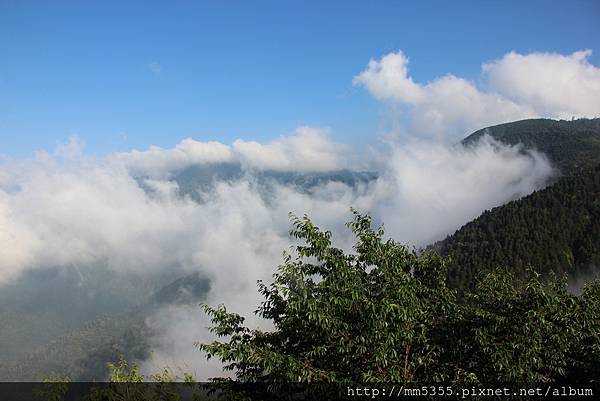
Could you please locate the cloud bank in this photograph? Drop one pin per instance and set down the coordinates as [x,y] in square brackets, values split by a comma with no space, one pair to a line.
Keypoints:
[308,149]
[86,212]
[124,212]
[514,87]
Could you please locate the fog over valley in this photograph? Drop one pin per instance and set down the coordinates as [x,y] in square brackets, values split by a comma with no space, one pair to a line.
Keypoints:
[87,235]
[153,232]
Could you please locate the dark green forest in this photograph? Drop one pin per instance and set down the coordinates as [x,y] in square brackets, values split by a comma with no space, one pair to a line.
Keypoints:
[554,229]
[569,145]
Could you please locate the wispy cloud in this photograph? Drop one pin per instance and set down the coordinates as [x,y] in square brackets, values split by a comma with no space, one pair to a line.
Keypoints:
[154,67]
[72,149]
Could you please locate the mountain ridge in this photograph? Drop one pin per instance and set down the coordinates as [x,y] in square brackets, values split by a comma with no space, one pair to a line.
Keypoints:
[554,229]
[569,145]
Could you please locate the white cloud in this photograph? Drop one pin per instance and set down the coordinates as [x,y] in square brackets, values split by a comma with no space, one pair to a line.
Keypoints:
[433,189]
[553,84]
[72,149]
[159,162]
[307,149]
[388,79]
[82,214]
[92,212]
[518,86]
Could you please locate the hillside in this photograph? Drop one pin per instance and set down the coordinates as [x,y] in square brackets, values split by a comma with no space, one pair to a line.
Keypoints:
[82,352]
[570,145]
[32,308]
[554,229]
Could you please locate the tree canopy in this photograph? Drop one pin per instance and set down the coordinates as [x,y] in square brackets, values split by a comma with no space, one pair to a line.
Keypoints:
[384,313]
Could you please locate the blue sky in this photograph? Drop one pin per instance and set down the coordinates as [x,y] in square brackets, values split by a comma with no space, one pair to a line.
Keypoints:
[123,76]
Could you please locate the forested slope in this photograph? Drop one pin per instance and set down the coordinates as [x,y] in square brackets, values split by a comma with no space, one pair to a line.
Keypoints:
[554,229]
[570,145]
[82,353]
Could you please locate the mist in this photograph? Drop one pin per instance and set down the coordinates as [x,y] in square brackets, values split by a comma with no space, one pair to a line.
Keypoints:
[124,216]
[106,232]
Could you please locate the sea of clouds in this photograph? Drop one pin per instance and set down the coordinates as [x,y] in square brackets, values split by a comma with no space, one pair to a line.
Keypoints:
[124,211]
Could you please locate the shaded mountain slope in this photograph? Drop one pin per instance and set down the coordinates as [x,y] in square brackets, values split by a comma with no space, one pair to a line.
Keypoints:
[83,352]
